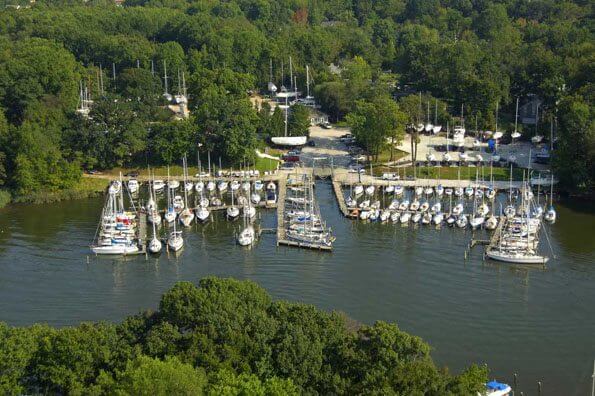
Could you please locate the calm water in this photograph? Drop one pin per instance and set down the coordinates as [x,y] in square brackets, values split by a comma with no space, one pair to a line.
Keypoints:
[537,323]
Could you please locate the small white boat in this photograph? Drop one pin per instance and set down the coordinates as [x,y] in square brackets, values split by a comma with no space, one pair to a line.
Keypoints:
[271,186]
[429,127]
[536,139]
[414,205]
[365,214]
[458,192]
[399,190]
[384,215]
[116,249]
[115,187]
[255,197]
[394,205]
[199,186]
[178,203]
[350,202]
[550,215]
[490,193]
[222,186]
[358,190]
[483,210]
[478,193]
[439,190]
[405,217]
[510,211]
[497,135]
[389,189]
[375,205]
[364,204]
[133,186]
[436,208]
[436,129]
[211,186]
[173,184]
[246,186]
[374,213]
[430,157]
[416,217]
[419,191]
[216,201]
[477,221]
[394,217]
[495,388]
[186,216]
[202,214]
[170,215]
[426,218]
[203,202]
[258,185]
[537,212]
[175,241]
[247,236]
[462,221]
[424,206]
[446,157]
[370,190]
[450,220]
[249,211]
[234,185]
[404,205]
[469,191]
[428,191]
[448,192]
[232,212]
[158,185]
[438,218]
[458,209]
[515,135]
[188,186]
[491,223]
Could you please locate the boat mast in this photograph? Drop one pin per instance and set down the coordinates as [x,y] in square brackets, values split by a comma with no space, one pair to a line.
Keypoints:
[307,82]
[290,74]
[165,76]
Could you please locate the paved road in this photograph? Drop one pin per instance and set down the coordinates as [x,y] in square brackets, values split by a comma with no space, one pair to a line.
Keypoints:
[327,145]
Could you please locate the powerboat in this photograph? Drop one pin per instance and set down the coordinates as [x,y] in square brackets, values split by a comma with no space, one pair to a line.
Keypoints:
[416,217]
[175,241]
[133,186]
[370,190]
[438,218]
[222,186]
[202,214]
[173,184]
[458,192]
[462,221]
[247,236]
[394,217]
[158,185]
[398,190]
[491,223]
[458,209]
[232,212]
[405,217]
[358,190]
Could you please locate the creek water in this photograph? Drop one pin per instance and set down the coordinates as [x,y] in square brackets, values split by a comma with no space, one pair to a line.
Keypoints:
[538,323]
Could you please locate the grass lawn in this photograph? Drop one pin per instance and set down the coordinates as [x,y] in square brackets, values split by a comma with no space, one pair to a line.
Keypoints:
[452,173]
[384,156]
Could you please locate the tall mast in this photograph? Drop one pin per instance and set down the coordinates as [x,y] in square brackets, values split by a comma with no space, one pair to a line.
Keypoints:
[436,113]
[270,69]
[307,82]
[290,74]
[282,75]
[165,75]
[496,117]
[516,114]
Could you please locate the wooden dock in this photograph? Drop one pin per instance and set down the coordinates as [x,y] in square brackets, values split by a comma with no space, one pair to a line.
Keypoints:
[142,232]
[282,191]
[338,189]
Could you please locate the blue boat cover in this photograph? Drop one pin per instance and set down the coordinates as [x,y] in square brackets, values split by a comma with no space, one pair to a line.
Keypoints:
[495,385]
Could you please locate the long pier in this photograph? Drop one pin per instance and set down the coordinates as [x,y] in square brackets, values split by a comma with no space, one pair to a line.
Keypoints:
[281,188]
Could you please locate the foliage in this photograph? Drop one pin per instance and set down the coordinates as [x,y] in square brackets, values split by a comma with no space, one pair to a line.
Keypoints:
[225,337]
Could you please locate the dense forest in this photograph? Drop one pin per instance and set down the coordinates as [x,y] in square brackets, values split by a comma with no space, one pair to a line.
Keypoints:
[225,337]
[475,54]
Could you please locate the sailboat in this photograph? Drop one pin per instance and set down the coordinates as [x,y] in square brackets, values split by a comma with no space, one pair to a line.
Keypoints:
[232,211]
[153,215]
[133,186]
[550,215]
[154,243]
[516,134]
[175,241]
[170,213]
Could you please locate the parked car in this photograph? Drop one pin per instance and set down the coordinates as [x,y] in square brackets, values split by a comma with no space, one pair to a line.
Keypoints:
[288,165]
[131,174]
[311,143]
[326,125]
[93,172]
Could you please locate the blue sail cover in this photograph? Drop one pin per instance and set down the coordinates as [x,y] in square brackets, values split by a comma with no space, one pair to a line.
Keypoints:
[495,385]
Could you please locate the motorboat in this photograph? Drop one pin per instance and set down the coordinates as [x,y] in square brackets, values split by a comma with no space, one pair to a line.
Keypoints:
[458,192]
[158,185]
[438,218]
[234,185]
[211,186]
[358,190]
[258,185]
[448,192]
[350,202]
[424,206]
[430,157]
[271,197]
[536,139]
[436,129]
[550,215]
[389,189]
[394,217]
[428,191]
[398,190]
[203,202]
[271,186]
[255,197]
[374,213]
[364,204]
[495,388]
[419,191]
[375,205]
[178,203]
[429,127]
[515,135]
[439,190]
[114,187]
[469,191]
[133,186]
[370,190]
[173,184]
[416,217]
[199,186]
[446,157]
[450,220]
[216,201]
[394,205]
[222,186]
[426,218]
[154,245]
[384,215]
[365,214]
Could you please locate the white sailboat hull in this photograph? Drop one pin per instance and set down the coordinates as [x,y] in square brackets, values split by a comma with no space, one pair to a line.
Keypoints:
[290,140]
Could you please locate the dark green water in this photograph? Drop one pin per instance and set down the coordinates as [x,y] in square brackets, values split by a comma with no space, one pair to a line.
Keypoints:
[537,323]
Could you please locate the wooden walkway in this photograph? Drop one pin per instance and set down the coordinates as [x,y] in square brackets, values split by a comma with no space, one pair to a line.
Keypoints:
[282,191]
[142,232]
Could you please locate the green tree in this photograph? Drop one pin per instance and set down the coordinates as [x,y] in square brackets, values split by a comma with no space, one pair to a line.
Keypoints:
[298,121]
